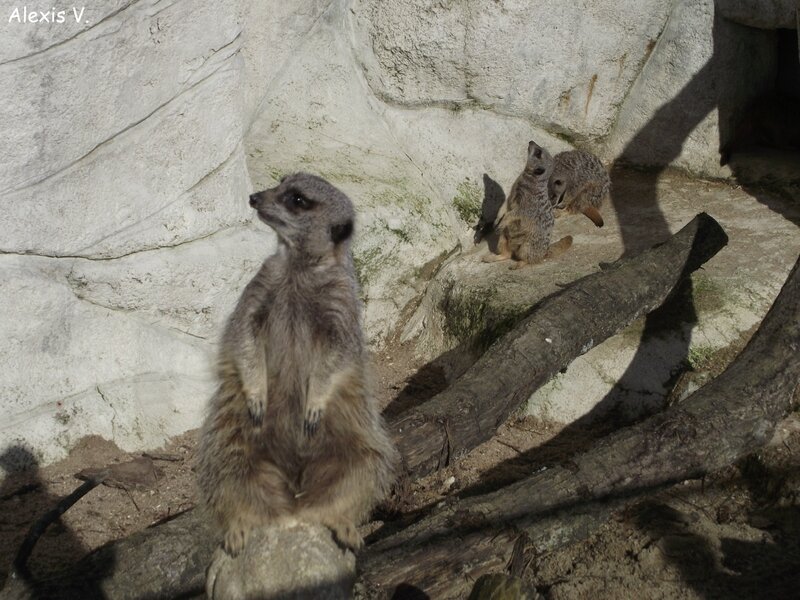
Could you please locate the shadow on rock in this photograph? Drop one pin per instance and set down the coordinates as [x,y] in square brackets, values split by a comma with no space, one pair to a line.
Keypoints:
[493,198]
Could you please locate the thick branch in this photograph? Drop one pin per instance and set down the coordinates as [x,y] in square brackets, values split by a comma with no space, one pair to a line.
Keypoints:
[728,418]
[565,326]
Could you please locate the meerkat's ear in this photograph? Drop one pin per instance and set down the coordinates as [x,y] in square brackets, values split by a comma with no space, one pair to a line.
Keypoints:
[341,232]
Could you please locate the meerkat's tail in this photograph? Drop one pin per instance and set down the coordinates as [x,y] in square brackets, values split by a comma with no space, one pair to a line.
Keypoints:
[594,215]
[558,248]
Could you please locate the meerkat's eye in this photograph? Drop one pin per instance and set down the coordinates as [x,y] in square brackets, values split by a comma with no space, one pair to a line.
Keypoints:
[558,182]
[296,200]
[538,170]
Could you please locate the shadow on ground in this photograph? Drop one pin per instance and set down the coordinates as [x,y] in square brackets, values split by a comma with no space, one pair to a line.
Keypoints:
[56,548]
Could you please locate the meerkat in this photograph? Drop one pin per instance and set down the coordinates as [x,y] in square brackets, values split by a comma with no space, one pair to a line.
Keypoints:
[579,183]
[525,220]
[293,431]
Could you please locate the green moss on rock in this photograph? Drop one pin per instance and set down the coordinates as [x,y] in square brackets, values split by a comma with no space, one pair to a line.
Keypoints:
[477,318]
[468,200]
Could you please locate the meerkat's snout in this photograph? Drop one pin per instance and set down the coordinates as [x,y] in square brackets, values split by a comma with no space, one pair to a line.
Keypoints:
[254,200]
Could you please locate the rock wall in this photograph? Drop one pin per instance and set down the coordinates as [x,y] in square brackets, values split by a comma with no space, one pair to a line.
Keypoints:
[125,234]
[133,136]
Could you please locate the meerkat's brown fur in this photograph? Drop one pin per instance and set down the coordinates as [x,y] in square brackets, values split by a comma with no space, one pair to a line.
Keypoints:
[525,220]
[579,183]
[293,430]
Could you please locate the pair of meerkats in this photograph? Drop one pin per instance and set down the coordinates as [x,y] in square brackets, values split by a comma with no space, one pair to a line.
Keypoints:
[573,181]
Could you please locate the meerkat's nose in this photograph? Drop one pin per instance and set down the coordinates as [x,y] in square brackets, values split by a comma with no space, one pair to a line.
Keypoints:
[253,200]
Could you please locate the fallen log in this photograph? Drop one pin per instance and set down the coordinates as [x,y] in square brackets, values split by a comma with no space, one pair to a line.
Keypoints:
[730,417]
[564,326]
[169,560]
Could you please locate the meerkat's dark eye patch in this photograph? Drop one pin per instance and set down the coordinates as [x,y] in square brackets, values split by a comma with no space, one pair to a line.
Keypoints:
[538,171]
[295,200]
[341,231]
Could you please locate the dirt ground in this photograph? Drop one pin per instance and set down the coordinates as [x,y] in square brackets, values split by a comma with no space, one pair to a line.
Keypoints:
[736,533]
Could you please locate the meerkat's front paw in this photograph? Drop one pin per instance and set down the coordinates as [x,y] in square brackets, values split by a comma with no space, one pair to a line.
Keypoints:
[256,405]
[234,539]
[312,420]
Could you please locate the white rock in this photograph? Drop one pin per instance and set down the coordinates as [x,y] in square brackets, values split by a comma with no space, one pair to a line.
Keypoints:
[63,103]
[66,359]
[565,66]
[300,561]
[702,72]
[191,288]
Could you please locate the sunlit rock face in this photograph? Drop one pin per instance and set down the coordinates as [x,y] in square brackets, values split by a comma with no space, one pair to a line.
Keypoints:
[134,132]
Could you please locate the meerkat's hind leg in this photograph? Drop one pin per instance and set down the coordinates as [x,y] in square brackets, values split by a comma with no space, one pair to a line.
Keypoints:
[345,532]
[518,264]
[235,537]
[244,496]
[341,490]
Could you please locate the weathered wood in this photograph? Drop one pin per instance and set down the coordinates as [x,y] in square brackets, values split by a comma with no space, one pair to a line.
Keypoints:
[161,562]
[169,560]
[728,418]
[498,586]
[565,326]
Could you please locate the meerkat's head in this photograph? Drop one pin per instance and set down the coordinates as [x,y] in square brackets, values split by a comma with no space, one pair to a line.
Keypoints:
[311,217]
[539,160]
[557,188]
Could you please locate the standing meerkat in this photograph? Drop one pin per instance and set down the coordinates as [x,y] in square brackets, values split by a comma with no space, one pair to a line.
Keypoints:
[293,431]
[525,220]
[579,183]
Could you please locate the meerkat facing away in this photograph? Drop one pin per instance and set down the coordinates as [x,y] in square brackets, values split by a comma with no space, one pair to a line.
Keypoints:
[525,220]
[293,431]
[579,183]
